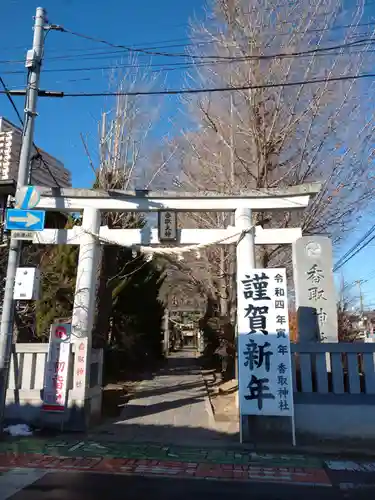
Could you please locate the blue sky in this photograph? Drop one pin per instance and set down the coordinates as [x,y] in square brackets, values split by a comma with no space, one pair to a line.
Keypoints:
[60,122]
[130,23]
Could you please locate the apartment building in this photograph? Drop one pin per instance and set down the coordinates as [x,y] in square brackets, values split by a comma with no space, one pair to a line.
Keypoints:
[49,173]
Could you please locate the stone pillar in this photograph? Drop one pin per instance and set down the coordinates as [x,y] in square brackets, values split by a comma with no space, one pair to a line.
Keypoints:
[83,316]
[315,293]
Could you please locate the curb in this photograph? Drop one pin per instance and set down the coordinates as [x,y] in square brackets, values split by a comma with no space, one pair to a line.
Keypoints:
[207,401]
[209,408]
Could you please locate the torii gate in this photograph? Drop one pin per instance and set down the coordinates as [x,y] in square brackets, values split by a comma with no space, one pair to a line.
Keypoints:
[92,202]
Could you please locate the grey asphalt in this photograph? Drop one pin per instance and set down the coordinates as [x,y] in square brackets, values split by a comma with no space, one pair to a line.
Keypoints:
[88,486]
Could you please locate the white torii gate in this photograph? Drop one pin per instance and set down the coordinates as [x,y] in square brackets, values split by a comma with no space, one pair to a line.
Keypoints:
[92,202]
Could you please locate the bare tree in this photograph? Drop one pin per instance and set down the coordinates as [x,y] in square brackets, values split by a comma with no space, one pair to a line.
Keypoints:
[282,131]
[125,160]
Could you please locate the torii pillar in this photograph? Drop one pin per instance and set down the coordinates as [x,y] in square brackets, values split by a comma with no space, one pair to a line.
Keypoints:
[83,316]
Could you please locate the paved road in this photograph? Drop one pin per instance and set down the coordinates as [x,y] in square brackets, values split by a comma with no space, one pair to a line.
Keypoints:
[76,486]
[172,407]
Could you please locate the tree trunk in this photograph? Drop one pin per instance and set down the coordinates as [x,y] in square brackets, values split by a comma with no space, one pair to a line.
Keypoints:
[102,325]
[224,309]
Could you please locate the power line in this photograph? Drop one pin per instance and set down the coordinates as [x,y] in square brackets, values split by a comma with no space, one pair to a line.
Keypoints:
[38,155]
[193,42]
[119,66]
[162,69]
[355,249]
[186,25]
[174,40]
[181,65]
[112,53]
[95,53]
[192,56]
[361,240]
[44,93]
[10,99]
[355,253]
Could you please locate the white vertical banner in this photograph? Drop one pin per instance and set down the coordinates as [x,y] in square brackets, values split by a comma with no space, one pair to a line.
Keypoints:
[264,357]
[57,368]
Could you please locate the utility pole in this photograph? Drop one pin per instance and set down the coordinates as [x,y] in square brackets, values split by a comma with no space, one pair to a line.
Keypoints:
[363,320]
[232,173]
[359,283]
[33,63]
[342,291]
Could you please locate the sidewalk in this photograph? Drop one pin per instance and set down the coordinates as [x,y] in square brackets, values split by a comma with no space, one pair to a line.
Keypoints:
[168,430]
[158,460]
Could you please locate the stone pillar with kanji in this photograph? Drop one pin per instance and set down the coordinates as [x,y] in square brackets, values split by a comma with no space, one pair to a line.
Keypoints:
[315,293]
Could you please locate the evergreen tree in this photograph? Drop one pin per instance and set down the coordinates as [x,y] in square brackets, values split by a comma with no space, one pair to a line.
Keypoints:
[59,267]
[135,335]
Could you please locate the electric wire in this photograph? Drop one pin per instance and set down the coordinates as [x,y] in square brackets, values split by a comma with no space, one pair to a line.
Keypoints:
[38,155]
[187,91]
[355,249]
[249,57]
[182,65]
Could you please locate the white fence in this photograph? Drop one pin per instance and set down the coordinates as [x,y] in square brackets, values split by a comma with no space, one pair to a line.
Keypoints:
[26,379]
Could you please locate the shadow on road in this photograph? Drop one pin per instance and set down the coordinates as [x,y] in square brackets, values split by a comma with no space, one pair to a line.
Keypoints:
[136,411]
[145,393]
[163,434]
[75,486]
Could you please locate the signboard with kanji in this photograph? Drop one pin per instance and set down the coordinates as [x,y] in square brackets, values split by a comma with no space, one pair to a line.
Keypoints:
[265,375]
[57,368]
[80,365]
[168,229]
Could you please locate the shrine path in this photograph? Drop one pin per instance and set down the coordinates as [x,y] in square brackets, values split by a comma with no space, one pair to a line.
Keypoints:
[170,408]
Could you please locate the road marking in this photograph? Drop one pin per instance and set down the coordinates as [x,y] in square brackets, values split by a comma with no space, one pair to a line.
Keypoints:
[17,479]
[350,466]
[76,446]
[355,486]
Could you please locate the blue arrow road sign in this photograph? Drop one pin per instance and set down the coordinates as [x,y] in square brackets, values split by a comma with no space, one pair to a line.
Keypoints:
[32,220]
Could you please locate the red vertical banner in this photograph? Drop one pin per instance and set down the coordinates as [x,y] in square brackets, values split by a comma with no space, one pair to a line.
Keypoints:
[57,368]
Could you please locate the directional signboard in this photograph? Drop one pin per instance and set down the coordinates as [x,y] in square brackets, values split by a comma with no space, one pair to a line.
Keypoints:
[32,220]
[23,235]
